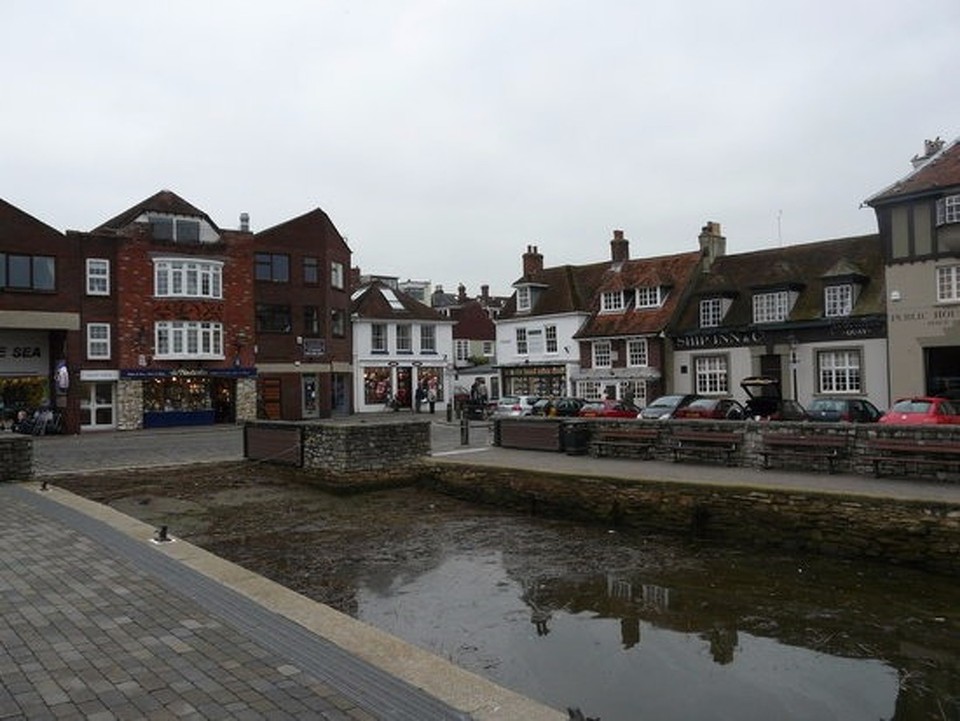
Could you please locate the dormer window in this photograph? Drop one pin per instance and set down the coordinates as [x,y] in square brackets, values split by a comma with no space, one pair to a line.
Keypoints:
[523,298]
[649,297]
[611,301]
[948,210]
[771,307]
[711,312]
[838,300]
[179,230]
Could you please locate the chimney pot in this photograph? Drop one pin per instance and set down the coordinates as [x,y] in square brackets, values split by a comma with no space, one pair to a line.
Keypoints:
[245,222]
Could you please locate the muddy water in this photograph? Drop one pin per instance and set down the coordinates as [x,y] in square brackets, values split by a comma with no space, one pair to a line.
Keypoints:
[623,626]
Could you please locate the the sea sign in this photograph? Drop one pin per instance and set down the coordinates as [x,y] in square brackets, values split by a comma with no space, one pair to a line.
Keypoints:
[24,353]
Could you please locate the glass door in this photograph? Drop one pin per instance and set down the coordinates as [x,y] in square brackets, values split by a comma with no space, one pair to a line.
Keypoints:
[98,406]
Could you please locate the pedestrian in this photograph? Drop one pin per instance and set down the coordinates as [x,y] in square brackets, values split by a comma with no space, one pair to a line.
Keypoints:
[432,394]
[418,397]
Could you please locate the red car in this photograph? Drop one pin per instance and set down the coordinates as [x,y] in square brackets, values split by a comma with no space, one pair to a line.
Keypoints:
[922,411]
[608,409]
[712,408]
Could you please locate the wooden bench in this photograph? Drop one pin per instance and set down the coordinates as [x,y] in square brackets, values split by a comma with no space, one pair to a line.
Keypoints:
[630,439]
[794,446]
[705,443]
[894,452]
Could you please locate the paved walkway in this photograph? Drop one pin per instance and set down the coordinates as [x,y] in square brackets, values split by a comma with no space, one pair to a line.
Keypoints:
[99,621]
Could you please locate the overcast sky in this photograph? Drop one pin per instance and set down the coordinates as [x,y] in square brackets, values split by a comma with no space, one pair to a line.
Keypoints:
[443,137]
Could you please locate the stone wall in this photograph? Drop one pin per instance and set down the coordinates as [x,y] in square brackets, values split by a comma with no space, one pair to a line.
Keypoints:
[353,455]
[129,405]
[922,534]
[16,457]
[246,399]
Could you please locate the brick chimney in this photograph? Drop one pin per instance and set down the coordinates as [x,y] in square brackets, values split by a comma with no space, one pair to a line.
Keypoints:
[930,148]
[619,247]
[485,292]
[461,293]
[532,262]
[712,244]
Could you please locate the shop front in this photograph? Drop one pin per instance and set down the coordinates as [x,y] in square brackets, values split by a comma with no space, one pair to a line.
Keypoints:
[25,380]
[535,380]
[184,397]
[393,385]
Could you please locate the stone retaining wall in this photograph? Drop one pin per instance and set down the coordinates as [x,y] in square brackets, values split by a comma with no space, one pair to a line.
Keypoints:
[16,457]
[922,534]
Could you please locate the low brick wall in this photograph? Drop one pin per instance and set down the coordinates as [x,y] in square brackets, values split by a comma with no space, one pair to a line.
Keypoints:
[16,457]
[345,455]
[921,534]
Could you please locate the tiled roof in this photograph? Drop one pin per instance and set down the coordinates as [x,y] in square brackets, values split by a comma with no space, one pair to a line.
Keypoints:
[941,172]
[671,273]
[163,202]
[473,322]
[805,267]
[371,303]
[563,289]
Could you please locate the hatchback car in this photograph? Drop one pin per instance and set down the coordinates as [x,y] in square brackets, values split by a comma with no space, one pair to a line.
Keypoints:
[608,409]
[514,406]
[922,411]
[765,402]
[712,408]
[851,410]
[666,406]
[558,406]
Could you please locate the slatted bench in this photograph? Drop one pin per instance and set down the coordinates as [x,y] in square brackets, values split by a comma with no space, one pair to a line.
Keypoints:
[643,440]
[705,444]
[794,446]
[906,455]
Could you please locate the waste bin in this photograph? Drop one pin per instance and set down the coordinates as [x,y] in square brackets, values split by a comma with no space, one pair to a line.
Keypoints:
[576,438]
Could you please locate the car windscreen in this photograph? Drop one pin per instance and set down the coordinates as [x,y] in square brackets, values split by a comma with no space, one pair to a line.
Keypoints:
[912,406]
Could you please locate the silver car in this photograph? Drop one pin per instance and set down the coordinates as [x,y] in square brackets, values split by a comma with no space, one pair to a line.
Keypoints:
[514,406]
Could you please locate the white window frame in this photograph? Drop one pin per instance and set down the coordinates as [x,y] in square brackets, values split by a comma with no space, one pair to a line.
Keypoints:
[638,353]
[611,301]
[602,353]
[182,278]
[550,338]
[188,339]
[711,375]
[589,390]
[948,283]
[948,210]
[523,298]
[650,296]
[488,348]
[428,339]
[521,336]
[336,274]
[711,312]
[839,370]
[98,276]
[379,341]
[771,307]
[838,300]
[404,338]
[98,341]
[462,349]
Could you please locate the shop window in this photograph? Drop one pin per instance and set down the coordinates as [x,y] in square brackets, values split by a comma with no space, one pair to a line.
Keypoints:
[98,341]
[98,276]
[177,394]
[376,385]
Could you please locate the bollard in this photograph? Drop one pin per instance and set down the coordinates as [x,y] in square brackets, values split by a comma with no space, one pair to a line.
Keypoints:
[464,430]
[449,412]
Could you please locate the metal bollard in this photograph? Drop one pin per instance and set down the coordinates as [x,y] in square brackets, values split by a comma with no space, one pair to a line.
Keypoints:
[464,430]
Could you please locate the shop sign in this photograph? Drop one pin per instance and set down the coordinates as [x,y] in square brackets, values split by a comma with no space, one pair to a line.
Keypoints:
[23,354]
[93,376]
[724,339]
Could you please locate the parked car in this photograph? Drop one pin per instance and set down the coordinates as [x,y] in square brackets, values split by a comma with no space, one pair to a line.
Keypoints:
[922,411]
[712,408]
[608,409]
[666,406]
[765,401]
[852,410]
[513,406]
[558,406]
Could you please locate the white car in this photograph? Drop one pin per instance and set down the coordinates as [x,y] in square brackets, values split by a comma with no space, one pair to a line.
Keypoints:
[515,406]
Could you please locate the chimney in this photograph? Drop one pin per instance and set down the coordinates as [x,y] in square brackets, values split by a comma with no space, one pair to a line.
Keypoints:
[245,222]
[461,293]
[532,262]
[485,292]
[930,148]
[712,244]
[619,247]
